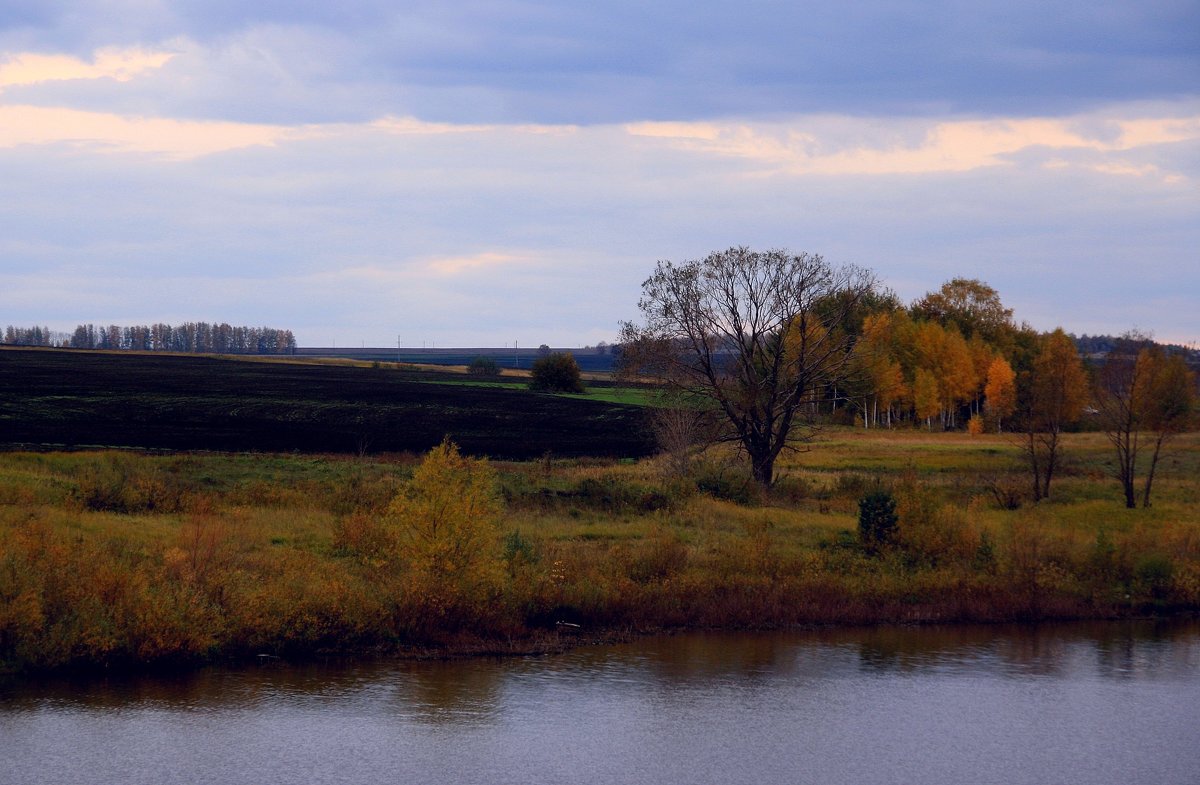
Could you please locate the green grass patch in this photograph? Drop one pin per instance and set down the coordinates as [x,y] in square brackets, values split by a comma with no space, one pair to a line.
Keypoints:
[628,396]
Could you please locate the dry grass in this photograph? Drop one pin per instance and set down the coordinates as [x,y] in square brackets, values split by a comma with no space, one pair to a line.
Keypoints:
[112,559]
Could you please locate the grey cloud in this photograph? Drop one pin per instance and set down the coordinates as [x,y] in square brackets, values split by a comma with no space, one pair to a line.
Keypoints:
[581,62]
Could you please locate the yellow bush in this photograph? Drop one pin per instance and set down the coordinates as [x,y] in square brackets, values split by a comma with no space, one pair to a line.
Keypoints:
[447,520]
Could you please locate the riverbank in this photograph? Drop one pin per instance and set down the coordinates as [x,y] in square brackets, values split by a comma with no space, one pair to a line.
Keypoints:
[123,560]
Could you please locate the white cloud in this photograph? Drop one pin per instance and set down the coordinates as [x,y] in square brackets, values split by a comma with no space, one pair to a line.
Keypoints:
[812,145]
[816,145]
[179,139]
[475,263]
[120,64]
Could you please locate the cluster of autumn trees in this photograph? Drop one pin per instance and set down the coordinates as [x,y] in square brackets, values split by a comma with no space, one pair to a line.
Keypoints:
[956,355]
[188,337]
[951,359]
[752,347]
[907,369]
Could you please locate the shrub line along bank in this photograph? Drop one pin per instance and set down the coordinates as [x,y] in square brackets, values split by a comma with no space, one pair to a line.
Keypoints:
[111,560]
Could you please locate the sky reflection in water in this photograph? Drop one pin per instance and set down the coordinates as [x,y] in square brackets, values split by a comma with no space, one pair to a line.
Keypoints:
[1079,703]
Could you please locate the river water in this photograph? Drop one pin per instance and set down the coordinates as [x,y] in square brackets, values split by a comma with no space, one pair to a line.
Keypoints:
[1088,703]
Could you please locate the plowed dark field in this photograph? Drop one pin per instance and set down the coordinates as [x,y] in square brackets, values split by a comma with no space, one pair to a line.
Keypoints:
[82,399]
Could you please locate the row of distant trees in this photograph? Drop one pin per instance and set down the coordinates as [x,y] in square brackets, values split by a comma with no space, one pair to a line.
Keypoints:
[187,337]
[1100,345]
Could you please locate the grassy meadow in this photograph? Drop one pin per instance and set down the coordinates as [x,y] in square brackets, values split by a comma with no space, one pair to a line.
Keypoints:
[117,559]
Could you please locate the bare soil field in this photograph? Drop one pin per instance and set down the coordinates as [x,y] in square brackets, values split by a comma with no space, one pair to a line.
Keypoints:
[63,398]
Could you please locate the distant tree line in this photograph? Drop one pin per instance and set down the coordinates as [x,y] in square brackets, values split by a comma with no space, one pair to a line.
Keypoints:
[199,337]
[35,336]
[1101,345]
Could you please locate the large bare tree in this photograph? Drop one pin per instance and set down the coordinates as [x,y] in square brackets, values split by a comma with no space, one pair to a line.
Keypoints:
[757,335]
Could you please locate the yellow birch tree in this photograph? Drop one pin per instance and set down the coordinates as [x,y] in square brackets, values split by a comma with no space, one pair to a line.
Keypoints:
[1000,393]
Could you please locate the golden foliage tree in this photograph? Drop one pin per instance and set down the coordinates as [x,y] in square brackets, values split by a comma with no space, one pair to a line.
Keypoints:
[1170,404]
[1057,393]
[447,520]
[879,373]
[956,376]
[925,396]
[1000,392]
[982,355]
[944,355]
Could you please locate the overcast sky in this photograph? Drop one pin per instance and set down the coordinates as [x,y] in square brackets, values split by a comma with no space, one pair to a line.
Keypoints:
[475,173]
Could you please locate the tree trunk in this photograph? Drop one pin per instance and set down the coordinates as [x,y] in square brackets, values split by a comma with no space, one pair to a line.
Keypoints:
[1051,442]
[1034,465]
[1125,468]
[1130,500]
[762,467]
[1126,441]
[1153,463]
